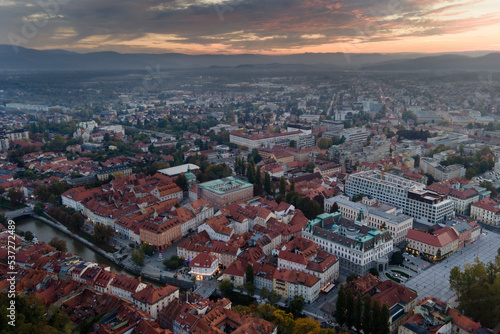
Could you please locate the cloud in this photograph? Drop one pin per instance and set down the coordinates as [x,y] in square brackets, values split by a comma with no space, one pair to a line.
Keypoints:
[237,26]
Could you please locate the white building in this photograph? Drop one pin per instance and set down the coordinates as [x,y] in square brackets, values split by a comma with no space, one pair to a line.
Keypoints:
[153,300]
[358,246]
[424,205]
[204,266]
[398,224]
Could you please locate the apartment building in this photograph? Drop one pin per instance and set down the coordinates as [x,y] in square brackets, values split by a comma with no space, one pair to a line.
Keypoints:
[291,283]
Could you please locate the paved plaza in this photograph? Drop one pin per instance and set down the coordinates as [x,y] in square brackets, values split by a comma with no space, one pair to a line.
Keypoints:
[434,282]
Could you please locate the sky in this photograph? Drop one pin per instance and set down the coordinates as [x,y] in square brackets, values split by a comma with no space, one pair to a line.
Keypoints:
[252,26]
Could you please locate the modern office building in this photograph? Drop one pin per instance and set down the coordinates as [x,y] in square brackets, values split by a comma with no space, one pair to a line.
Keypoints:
[424,205]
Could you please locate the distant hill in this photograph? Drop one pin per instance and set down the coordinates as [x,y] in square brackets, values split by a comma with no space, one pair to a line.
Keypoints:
[489,62]
[30,59]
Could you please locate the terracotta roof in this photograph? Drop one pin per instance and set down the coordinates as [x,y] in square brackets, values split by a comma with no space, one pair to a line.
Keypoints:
[152,295]
[203,260]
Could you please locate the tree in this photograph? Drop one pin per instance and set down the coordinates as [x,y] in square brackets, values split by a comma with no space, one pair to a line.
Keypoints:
[310,167]
[226,287]
[293,143]
[306,326]
[42,193]
[284,321]
[488,185]
[38,209]
[341,306]
[255,156]
[385,316]
[102,234]
[137,256]
[397,258]
[273,189]
[58,244]
[258,176]
[148,249]
[358,313]
[282,185]
[28,236]
[470,173]
[292,186]
[325,143]
[367,312]
[181,181]
[264,293]
[267,183]
[251,173]
[334,208]
[374,271]
[249,273]
[174,262]
[250,287]
[407,115]
[351,277]
[77,221]
[265,311]
[375,319]
[274,298]
[358,197]
[478,289]
[297,306]
[16,197]
[350,309]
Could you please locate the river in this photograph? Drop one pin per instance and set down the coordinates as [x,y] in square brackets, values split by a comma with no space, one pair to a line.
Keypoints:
[45,233]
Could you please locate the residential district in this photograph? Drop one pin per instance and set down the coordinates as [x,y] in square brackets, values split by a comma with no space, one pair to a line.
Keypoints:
[255,206]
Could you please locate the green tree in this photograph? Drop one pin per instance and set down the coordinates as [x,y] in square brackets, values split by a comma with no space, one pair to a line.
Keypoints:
[249,273]
[38,209]
[375,319]
[367,313]
[325,143]
[258,176]
[28,236]
[341,306]
[181,181]
[265,311]
[385,317]
[267,183]
[374,271]
[148,249]
[251,173]
[488,185]
[282,185]
[137,256]
[478,289]
[350,316]
[102,234]
[310,167]
[77,221]
[397,258]
[264,293]
[226,287]
[358,313]
[274,297]
[297,306]
[16,197]
[352,277]
[250,287]
[292,186]
[58,244]
[42,193]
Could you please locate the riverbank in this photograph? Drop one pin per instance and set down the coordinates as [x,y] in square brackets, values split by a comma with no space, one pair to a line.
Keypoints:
[155,276]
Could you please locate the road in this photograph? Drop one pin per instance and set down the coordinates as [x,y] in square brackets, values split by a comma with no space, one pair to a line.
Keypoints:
[434,282]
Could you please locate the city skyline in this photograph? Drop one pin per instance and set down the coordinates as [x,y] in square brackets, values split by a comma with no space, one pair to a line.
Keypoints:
[240,26]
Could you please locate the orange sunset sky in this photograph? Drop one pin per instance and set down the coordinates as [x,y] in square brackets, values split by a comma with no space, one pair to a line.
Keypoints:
[252,26]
